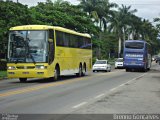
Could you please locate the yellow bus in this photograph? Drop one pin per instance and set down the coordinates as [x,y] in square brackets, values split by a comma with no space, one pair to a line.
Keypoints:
[41,51]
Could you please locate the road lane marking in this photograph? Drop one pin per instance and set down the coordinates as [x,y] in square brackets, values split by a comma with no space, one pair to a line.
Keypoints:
[38,87]
[128,82]
[136,78]
[113,89]
[103,94]
[79,105]
[121,85]
[34,88]
[98,96]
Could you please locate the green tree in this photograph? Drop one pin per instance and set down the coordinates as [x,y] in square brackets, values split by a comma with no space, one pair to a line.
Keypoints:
[63,14]
[12,14]
[99,10]
[157,21]
[119,23]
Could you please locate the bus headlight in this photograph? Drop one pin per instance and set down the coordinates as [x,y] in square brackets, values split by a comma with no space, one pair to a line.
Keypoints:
[40,67]
[11,67]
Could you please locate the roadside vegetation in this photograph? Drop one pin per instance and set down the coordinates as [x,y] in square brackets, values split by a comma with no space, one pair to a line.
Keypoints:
[3,74]
[108,27]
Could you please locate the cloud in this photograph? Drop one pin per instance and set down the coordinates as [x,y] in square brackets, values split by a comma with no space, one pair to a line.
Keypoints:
[147,9]
[29,2]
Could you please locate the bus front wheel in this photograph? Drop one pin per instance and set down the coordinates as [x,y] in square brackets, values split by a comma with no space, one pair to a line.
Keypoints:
[127,70]
[23,80]
[56,73]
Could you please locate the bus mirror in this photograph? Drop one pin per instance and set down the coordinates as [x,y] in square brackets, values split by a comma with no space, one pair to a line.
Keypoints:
[50,40]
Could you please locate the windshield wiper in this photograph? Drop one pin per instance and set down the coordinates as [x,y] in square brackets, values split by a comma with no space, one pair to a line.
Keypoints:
[17,60]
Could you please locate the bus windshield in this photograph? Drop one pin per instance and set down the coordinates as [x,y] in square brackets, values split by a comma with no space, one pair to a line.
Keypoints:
[134,45]
[27,46]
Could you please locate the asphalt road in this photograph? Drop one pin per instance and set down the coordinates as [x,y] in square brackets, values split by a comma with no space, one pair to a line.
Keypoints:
[60,97]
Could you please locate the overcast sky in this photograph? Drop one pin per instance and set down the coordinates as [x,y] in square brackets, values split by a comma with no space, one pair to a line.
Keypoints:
[147,9]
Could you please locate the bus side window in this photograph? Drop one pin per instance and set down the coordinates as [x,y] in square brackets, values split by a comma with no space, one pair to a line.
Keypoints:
[66,38]
[59,38]
[72,41]
[51,46]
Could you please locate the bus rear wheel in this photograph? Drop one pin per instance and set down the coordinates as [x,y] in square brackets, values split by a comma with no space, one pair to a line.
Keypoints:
[80,73]
[84,70]
[23,80]
[144,69]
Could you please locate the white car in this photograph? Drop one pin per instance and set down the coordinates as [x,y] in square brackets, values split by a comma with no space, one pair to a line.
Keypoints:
[101,65]
[119,63]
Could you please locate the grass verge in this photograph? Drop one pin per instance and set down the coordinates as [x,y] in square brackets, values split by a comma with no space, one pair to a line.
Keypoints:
[3,74]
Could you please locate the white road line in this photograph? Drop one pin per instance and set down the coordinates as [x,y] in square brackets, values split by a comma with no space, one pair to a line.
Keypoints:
[113,89]
[121,85]
[98,96]
[79,105]
[135,78]
[127,82]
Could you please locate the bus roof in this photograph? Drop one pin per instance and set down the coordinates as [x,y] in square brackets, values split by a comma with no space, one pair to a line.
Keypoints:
[135,41]
[46,27]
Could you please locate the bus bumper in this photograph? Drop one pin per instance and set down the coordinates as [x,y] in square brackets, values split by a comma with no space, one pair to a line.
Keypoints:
[135,66]
[27,74]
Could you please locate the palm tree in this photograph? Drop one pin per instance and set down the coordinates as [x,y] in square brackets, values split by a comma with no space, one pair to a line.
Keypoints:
[126,14]
[120,22]
[98,10]
[115,26]
[157,20]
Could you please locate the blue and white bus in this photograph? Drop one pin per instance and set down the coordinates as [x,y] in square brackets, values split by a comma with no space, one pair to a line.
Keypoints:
[137,55]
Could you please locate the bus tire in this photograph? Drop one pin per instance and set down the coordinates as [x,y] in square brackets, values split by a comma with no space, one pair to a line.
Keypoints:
[22,80]
[79,74]
[57,73]
[144,70]
[84,70]
[127,70]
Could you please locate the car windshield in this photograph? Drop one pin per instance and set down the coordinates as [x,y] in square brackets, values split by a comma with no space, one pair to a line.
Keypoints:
[119,60]
[100,62]
[27,46]
[134,45]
